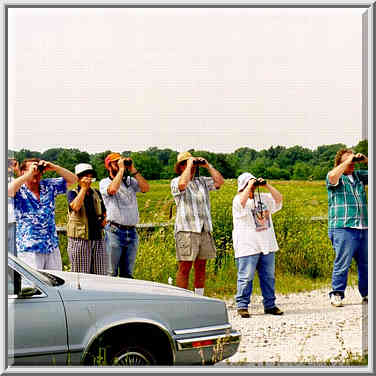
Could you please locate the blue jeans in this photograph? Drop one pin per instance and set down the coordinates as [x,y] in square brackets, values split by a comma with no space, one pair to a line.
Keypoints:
[121,250]
[349,243]
[247,266]
[12,238]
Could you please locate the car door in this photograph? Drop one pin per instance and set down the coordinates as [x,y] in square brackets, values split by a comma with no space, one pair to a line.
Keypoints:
[37,333]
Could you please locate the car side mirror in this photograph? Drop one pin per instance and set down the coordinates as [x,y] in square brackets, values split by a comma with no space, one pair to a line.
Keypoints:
[28,292]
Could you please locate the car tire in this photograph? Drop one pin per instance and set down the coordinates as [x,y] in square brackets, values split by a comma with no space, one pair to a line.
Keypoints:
[134,355]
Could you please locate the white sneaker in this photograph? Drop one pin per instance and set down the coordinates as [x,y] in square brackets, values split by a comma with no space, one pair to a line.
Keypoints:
[336,300]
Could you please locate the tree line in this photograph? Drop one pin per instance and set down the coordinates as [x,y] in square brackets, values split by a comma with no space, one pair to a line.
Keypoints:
[277,162]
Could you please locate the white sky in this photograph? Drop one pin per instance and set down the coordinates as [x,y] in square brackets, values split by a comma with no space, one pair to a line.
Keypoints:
[207,79]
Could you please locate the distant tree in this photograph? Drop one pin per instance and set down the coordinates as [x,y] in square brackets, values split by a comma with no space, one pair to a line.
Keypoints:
[326,153]
[362,147]
[24,153]
[97,161]
[150,167]
[302,171]
[275,172]
[319,172]
[52,155]
[259,167]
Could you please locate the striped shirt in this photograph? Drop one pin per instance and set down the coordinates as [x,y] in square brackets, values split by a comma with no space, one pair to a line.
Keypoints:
[347,201]
[193,205]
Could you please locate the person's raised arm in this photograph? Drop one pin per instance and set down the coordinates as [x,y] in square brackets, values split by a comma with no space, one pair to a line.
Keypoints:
[186,175]
[115,184]
[277,196]
[215,174]
[16,184]
[78,201]
[142,182]
[336,172]
[244,194]
[68,176]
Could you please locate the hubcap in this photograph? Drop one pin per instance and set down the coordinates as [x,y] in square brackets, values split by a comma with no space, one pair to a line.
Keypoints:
[132,358]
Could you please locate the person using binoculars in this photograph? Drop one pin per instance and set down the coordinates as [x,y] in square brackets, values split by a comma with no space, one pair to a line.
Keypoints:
[119,194]
[254,241]
[86,220]
[348,222]
[34,207]
[193,224]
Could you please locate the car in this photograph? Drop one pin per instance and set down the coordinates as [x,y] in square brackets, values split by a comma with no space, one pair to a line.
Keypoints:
[67,318]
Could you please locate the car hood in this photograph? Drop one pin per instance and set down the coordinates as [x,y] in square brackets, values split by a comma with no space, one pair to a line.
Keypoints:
[87,285]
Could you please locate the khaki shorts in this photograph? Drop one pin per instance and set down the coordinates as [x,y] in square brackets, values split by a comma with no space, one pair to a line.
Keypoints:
[192,245]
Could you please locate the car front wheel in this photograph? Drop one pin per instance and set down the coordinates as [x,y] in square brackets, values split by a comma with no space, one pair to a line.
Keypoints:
[134,356]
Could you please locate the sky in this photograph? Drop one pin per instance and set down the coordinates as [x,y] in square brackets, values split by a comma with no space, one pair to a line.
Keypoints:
[203,79]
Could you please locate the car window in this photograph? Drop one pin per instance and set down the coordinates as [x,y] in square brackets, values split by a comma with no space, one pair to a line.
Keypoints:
[16,282]
[11,281]
[44,277]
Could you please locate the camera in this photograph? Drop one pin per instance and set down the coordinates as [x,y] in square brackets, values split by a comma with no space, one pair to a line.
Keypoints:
[41,169]
[259,183]
[357,159]
[128,162]
[199,162]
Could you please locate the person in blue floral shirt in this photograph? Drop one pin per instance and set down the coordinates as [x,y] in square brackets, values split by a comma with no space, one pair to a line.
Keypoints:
[34,208]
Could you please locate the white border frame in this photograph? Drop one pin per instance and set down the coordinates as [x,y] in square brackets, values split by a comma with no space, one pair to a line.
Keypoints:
[368,96]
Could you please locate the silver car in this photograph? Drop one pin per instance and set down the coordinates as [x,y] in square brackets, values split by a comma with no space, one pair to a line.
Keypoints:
[65,318]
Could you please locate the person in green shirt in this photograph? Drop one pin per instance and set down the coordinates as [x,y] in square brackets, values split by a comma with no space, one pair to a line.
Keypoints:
[348,222]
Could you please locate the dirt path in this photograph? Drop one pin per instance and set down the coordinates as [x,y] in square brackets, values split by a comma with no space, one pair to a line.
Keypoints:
[310,331]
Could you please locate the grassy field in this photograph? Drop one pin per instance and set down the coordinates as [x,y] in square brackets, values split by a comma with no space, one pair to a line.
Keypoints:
[304,261]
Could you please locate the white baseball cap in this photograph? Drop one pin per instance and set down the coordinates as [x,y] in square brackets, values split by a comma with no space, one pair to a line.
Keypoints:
[84,167]
[243,180]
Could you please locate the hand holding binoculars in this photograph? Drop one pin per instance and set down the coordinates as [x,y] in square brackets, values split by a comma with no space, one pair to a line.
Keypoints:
[199,162]
[357,159]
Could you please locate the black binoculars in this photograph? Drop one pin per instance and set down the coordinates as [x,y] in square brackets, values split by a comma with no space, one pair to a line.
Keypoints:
[198,162]
[41,169]
[127,162]
[357,159]
[258,183]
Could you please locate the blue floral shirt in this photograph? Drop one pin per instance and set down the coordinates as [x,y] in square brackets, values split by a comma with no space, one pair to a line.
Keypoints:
[36,229]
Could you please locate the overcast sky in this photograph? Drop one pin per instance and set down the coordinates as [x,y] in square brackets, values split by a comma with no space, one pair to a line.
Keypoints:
[206,79]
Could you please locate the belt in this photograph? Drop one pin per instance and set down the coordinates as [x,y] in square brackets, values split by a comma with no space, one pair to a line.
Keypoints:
[121,227]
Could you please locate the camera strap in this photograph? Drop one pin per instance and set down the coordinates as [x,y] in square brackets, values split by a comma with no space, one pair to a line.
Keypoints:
[259,202]
[127,179]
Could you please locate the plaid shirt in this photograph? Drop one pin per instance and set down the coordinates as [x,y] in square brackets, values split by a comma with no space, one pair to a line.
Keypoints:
[193,204]
[347,201]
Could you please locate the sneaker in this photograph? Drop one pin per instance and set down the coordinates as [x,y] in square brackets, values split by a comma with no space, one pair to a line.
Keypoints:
[336,300]
[273,311]
[365,299]
[243,313]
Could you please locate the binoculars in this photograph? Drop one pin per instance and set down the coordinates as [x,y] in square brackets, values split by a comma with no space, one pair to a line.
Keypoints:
[357,159]
[41,169]
[127,162]
[259,183]
[198,162]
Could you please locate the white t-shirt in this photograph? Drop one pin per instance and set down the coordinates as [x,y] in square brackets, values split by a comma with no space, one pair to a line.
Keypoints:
[253,227]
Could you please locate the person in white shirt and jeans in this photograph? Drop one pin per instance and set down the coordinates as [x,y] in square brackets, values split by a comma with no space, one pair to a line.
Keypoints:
[254,241]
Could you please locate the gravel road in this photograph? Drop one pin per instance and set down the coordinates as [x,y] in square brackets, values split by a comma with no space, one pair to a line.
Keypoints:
[310,332]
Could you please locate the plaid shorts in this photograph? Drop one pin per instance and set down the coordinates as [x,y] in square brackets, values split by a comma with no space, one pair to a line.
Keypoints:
[191,246]
[87,256]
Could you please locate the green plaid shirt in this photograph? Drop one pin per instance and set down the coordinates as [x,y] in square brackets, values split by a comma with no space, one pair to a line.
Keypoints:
[347,201]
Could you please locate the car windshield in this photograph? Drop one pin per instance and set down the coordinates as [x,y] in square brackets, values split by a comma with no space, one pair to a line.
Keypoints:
[43,276]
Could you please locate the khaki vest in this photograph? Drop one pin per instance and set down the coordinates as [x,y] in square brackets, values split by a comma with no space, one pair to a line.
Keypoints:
[78,225]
